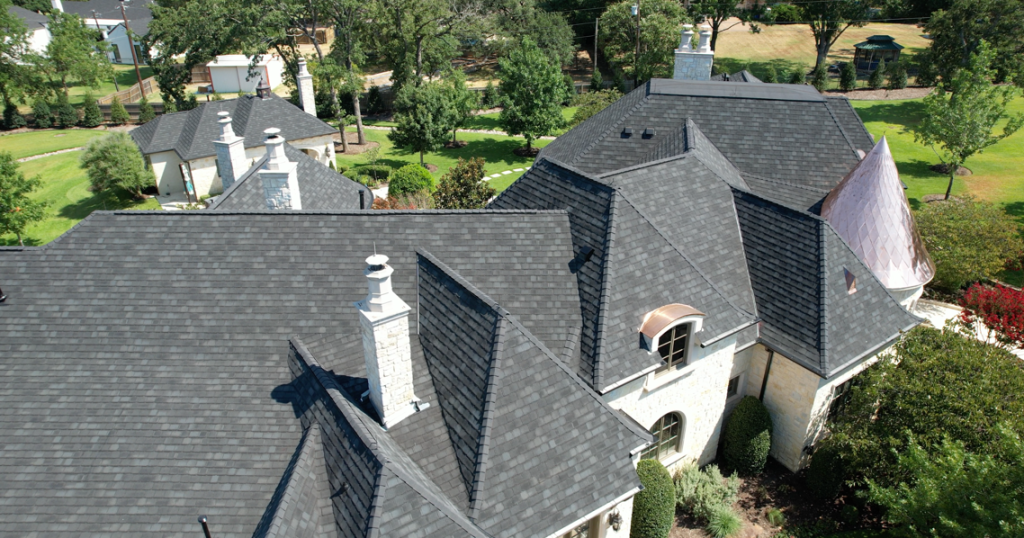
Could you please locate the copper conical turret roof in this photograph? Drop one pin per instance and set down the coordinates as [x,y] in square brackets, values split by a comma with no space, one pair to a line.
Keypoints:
[870,211]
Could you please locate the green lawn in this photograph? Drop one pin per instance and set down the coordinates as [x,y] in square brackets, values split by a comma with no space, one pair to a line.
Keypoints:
[45,141]
[495,149]
[65,188]
[125,78]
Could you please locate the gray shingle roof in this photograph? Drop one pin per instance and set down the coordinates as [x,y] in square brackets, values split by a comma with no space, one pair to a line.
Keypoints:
[111,9]
[739,76]
[33,21]
[851,124]
[145,354]
[797,264]
[322,189]
[190,134]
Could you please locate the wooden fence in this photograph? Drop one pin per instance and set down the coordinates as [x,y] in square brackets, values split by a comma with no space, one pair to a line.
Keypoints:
[133,94]
[201,75]
[133,110]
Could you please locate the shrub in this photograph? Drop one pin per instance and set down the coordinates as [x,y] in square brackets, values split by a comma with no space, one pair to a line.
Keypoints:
[189,102]
[897,73]
[961,258]
[92,116]
[698,492]
[596,82]
[412,201]
[927,74]
[654,507]
[776,517]
[216,97]
[114,161]
[787,13]
[826,473]
[798,77]
[409,179]
[170,106]
[377,172]
[1000,308]
[463,187]
[67,115]
[877,77]
[591,103]
[12,119]
[146,111]
[42,114]
[848,77]
[748,437]
[849,514]
[819,78]
[374,101]
[490,98]
[770,75]
[723,523]
[570,89]
[618,82]
[118,115]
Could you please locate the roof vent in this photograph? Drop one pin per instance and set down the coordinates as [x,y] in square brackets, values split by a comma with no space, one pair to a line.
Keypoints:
[627,132]
[263,90]
[586,253]
[649,132]
[2,296]
[851,282]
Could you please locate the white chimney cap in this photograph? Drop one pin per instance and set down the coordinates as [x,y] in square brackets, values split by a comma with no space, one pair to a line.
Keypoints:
[272,132]
[377,260]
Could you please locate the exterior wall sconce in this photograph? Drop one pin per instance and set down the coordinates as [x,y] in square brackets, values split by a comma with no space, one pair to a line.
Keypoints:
[615,520]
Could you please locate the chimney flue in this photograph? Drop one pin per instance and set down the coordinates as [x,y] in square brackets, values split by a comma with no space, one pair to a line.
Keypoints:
[231,162]
[384,321]
[279,175]
[694,64]
[307,97]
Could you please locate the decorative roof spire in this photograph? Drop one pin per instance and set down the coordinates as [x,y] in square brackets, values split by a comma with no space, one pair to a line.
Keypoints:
[870,212]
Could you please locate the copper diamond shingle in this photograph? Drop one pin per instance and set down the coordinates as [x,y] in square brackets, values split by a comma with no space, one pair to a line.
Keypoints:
[870,211]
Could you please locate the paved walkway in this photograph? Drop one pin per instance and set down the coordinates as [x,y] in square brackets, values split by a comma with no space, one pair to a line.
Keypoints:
[41,155]
[937,314]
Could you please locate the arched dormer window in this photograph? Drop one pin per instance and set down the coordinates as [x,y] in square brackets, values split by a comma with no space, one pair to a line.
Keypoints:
[668,434]
[670,330]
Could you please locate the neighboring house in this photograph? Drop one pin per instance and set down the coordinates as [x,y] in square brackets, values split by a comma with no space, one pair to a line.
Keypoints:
[105,16]
[493,373]
[38,34]
[182,144]
[230,73]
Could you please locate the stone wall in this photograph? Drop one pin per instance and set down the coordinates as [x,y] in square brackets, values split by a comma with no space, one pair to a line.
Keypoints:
[693,65]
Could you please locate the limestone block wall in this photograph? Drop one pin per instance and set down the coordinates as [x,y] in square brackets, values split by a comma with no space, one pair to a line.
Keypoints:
[693,65]
[204,175]
[625,511]
[388,363]
[697,392]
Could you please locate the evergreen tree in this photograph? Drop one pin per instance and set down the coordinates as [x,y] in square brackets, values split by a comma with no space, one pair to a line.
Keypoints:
[819,78]
[532,91]
[570,89]
[848,77]
[146,112]
[798,77]
[463,187]
[12,119]
[897,76]
[462,101]
[189,103]
[423,117]
[17,210]
[118,115]
[170,107]
[877,78]
[92,116]
[596,83]
[42,114]
[67,116]
[771,76]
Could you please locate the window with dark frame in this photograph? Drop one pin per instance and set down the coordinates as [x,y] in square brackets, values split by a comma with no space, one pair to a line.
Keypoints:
[734,387]
[583,531]
[840,398]
[672,346]
[667,432]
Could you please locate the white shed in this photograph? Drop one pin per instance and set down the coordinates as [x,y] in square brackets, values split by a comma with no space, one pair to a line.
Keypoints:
[230,73]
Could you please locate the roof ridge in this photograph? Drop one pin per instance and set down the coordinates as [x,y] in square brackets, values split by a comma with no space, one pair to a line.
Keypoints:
[487,418]
[442,504]
[235,186]
[842,131]
[602,300]
[846,101]
[822,298]
[380,488]
[597,139]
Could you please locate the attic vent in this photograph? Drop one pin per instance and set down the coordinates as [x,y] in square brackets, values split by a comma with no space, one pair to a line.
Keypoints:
[851,282]
[586,253]
[648,132]
[627,132]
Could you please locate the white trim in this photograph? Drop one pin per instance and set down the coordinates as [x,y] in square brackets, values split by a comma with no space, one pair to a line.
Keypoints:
[595,513]
[696,322]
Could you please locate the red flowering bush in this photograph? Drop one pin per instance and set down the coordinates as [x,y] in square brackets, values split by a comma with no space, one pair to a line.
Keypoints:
[999,308]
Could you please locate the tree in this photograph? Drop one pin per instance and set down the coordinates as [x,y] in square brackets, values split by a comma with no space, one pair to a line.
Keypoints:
[532,91]
[463,186]
[819,78]
[848,77]
[114,161]
[590,103]
[770,75]
[961,258]
[937,385]
[962,113]
[409,179]
[12,119]
[67,115]
[897,76]
[959,29]
[718,13]
[659,36]
[747,437]
[655,506]
[596,83]
[118,114]
[829,19]
[422,115]
[999,308]
[955,493]
[877,77]
[92,116]
[17,210]
[524,18]
[42,113]
[14,72]
[75,52]
[462,101]
[146,112]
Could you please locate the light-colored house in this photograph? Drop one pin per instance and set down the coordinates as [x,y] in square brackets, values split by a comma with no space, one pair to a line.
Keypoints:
[230,73]
[105,16]
[38,34]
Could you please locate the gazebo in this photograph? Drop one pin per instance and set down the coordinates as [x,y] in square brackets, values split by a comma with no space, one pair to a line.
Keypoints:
[874,50]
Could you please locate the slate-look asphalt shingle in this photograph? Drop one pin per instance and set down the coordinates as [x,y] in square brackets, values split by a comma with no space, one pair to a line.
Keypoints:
[321,188]
[190,134]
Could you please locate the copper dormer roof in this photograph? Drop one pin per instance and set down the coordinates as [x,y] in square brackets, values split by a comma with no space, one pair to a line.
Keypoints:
[870,212]
[657,320]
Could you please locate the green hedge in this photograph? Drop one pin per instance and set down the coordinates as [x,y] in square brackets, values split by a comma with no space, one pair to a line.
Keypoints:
[748,437]
[378,171]
[826,473]
[409,179]
[653,508]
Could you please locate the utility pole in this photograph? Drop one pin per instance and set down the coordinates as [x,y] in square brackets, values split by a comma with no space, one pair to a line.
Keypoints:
[595,43]
[96,19]
[636,57]
[131,45]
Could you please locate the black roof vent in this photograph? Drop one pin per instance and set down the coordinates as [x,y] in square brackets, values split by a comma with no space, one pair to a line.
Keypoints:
[586,253]
[627,132]
[2,296]
[648,132]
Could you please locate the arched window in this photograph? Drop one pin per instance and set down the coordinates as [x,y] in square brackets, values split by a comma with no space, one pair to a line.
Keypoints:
[667,432]
[673,345]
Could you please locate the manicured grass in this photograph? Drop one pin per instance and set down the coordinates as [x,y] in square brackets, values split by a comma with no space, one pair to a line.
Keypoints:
[495,149]
[47,140]
[125,78]
[65,187]
[996,174]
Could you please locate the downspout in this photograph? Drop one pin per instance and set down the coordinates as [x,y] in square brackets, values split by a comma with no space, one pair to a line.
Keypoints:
[767,370]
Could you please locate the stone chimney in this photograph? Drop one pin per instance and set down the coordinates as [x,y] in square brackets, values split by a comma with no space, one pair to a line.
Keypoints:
[694,64]
[305,83]
[384,320]
[57,5]
[279,177]
[230,152]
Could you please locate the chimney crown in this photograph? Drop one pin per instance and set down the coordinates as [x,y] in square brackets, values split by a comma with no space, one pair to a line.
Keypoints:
[687,39]
[227,133]
[705,39]
[276,159]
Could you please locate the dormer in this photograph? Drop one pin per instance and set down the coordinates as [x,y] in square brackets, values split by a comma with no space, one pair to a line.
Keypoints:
[670,331]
